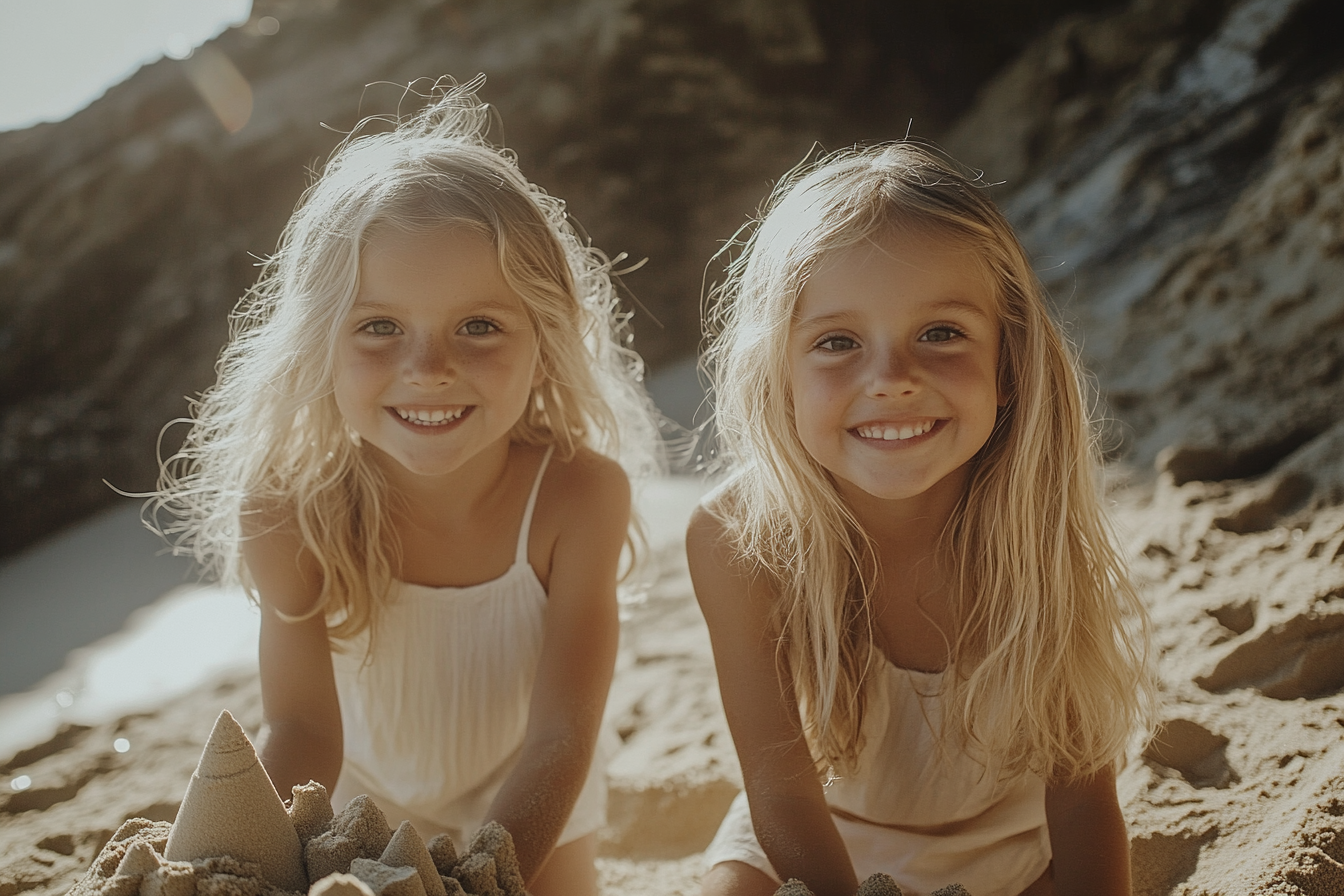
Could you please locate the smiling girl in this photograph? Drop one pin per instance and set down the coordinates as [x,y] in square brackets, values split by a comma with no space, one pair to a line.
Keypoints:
[930,655]
[416,458]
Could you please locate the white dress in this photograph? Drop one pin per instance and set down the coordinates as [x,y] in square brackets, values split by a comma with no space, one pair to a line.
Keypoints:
[434,719]
[925,814]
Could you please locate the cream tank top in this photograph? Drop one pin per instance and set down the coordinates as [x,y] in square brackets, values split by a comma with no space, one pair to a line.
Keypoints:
[937,812]
[434,719]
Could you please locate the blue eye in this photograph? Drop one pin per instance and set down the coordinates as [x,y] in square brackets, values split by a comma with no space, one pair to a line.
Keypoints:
[479,327]
[380,328]
[941,334]
[835,343]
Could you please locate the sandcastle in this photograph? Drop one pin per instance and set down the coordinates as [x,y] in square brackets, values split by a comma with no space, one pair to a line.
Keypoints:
[233,836]
[875,885]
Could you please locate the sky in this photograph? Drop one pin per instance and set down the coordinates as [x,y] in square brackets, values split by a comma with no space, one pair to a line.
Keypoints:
[57,56]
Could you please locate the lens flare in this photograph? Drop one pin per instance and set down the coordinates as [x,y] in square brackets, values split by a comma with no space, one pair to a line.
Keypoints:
[221,85]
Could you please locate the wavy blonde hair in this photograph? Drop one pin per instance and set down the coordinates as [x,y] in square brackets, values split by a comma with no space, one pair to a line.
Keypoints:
[1048,667]
[268,434]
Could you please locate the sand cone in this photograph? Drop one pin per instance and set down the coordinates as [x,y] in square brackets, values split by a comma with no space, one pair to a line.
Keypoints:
[443,852]
[951,890]
[340,884]
[476,874]
[384,880]
[879,884]
[231,809]
[407,850]
[493,840]
[793,887]
[138,861]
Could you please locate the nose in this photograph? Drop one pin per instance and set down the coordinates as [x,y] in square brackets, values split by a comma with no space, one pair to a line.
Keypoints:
[430,362]
[893,372]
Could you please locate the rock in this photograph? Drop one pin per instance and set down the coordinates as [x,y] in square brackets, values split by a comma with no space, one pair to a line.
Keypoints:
[1187,224]
[128,231]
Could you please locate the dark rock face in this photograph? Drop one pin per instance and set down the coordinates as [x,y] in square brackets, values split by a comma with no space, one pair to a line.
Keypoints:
[1176,168]
[1173,164]
[128,231]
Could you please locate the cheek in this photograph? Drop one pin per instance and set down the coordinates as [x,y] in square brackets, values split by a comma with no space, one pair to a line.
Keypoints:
[814,410]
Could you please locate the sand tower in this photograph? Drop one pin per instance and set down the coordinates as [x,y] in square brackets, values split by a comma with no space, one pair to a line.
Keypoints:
[231,809]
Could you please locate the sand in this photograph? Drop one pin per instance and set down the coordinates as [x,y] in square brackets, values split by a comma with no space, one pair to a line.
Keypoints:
[1242,793]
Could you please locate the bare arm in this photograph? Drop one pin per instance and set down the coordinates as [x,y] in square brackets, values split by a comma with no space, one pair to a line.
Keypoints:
[788,807]
[578,657]
[1087,836]
[301,740]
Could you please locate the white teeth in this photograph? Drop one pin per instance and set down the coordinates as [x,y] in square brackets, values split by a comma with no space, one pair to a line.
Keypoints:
[894,433]
[438,416]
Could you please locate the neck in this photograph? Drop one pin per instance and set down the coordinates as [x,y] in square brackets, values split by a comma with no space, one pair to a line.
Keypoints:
[908,526]
[460,494]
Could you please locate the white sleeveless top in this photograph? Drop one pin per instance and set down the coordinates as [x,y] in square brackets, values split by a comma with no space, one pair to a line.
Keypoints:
[938,812]
[928,814]
[434,719]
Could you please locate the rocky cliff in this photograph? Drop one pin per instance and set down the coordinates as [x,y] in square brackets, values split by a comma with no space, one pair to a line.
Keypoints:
[1174,166]
[1184,200]
[128,231]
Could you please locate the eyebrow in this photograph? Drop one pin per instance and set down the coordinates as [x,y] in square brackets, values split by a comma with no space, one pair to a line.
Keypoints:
[945,305]
[494,305]
[959,305]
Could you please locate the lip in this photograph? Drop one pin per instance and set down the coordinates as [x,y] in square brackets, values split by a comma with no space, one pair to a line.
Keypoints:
[935,426]
[431,427]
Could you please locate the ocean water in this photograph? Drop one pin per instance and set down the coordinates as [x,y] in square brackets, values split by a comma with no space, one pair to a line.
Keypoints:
[158,634]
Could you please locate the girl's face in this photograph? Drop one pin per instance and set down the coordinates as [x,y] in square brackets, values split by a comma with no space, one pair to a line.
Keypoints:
[437,359]
[893,356]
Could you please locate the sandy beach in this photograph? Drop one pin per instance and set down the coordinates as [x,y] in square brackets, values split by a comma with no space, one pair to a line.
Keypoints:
[1242,792]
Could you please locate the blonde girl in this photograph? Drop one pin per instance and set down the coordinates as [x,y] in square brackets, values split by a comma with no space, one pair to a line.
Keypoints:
[923,634]
[415,457]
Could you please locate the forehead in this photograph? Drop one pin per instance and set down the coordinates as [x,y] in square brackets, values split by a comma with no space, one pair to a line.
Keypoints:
[451,264]
[901,269]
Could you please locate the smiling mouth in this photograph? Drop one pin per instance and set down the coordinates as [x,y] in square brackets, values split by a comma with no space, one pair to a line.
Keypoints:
[887,432]
[431,418]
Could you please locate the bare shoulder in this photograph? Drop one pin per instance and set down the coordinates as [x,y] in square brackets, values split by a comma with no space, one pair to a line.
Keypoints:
[286,574]
[584,504]
[726,584]
[588,482]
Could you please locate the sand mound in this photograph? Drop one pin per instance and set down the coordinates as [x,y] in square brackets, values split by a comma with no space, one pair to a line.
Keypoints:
[234,837]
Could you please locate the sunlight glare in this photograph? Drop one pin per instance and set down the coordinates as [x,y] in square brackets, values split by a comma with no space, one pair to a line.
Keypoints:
[57,56]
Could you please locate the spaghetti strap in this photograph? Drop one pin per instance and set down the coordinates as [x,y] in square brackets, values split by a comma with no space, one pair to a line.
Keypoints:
[520,556]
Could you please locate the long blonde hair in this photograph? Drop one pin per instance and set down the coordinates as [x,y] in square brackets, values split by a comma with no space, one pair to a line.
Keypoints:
[1048,666]
[268,434]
